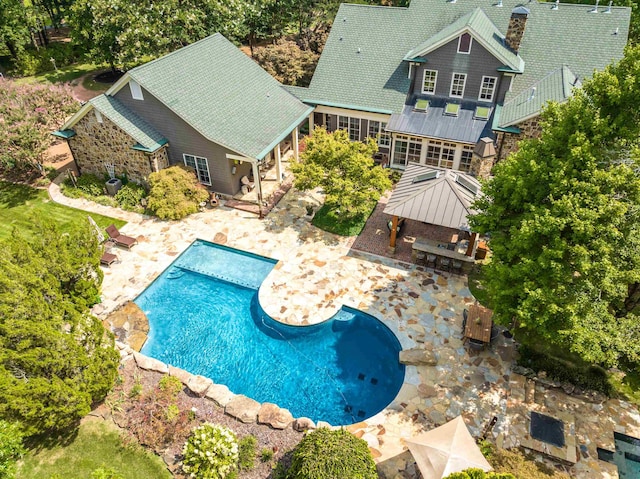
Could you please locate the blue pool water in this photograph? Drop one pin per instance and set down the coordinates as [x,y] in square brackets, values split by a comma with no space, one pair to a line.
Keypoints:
[205,317]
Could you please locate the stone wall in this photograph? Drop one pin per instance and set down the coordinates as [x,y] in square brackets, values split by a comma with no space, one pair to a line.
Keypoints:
[508,142]
[481,167]
[98,143]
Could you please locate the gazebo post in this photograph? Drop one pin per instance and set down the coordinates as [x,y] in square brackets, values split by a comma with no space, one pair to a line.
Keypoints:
[394,229]
[472,245]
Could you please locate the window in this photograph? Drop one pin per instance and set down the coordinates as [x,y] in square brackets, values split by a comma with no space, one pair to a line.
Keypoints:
[351,126]
[465,159]
[136,90]
[481,113]
[407,149]
[413,154]
[488,88]
[421,105]
[452,109]
[354,129]
[98,115]
[200,165]
[464,43]
[457,84]
[429,82]
[440,154]
[376,130]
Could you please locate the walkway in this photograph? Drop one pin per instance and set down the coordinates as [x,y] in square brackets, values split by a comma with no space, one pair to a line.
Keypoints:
[318,272]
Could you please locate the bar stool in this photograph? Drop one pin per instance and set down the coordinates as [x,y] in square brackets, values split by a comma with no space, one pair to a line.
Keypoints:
[445,264]
[431,260]
[457,266]
[420,257]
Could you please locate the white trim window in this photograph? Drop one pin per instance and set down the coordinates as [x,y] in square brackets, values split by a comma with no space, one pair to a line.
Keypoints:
[464,43]
[406,149]
[458,82]
[200,166]
[465,158]
[136,90]
[377,131]
[429,80]
[440,154]
[487,88]
[351,126]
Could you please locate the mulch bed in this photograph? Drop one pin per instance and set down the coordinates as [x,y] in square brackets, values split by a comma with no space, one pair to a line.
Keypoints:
[119,403]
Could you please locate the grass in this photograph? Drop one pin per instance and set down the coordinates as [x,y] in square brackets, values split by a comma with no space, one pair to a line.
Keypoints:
[328,220]
[90,84]
[62,75]
[95,444]
[19,204]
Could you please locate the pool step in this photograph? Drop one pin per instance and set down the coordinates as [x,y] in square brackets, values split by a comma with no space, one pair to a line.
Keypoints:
[223,277]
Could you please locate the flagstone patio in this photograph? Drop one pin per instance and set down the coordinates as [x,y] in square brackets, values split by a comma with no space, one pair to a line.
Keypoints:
[318,272]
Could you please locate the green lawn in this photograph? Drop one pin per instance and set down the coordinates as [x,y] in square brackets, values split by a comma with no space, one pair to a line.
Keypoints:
[95,444]
[328,220]
[19,204]
[62,75]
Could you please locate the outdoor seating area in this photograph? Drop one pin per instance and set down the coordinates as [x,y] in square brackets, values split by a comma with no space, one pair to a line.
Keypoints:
[449,256]
[119,239]
[477,327]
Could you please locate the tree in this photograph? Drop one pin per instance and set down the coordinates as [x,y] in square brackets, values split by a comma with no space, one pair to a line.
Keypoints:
[56,359]
[287,62]
[28,115]
[14,26]
[564,217]
[175,193]
[344,169]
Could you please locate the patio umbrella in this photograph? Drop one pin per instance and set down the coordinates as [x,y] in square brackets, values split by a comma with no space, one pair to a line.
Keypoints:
[446,449]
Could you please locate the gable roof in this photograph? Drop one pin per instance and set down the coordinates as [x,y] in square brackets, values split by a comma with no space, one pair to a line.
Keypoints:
[556,86]
[222,94]
[136,127]
[482,29]
[440,201]
[362,63]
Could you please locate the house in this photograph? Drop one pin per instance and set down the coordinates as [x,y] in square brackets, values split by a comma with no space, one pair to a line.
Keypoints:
[432,80]
[207,106]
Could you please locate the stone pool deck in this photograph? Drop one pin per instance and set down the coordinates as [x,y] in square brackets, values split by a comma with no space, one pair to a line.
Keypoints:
[319,272]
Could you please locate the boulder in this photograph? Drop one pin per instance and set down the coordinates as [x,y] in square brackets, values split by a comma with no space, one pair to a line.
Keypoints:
[219,394]
[181,374]
[275,417]
[244,409]
[303,424]
[418,357]
[323,424]
[150,364]
[199,385]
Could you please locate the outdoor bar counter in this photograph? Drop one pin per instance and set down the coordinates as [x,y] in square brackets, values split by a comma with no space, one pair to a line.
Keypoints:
[440,251]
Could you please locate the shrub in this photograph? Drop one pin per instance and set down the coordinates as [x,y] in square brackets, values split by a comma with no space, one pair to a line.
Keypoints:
[11,448]
[175,193]
[32,62]
[106,473]
[474,473]
[211,452]
[266,454]
[171,385]
[518,465]
[247,452]
[129,197]
[327,454]
[87,186]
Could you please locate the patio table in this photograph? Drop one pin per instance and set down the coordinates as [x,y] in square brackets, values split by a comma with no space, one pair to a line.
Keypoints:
[479,323]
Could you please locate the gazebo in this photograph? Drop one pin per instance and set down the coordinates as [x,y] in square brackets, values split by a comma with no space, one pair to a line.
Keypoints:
[434,195]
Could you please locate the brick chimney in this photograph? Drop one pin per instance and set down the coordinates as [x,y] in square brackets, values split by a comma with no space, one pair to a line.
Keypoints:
[517,24]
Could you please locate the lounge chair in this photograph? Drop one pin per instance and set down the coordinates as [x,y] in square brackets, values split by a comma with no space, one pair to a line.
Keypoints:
[120,239]
[108,259]
[244,181]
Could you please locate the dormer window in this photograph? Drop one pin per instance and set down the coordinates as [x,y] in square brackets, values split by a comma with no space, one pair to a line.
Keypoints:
[464,43]
[429,82]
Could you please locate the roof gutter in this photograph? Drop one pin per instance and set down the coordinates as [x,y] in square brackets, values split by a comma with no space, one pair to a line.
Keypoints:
[348,107]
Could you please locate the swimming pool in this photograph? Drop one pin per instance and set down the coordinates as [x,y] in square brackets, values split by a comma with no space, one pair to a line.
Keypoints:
[205,317]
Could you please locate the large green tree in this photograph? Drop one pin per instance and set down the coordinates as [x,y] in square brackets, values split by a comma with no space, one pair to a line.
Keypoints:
[287,62]
[56,359]
[564,217]
[14,26]
[344,169]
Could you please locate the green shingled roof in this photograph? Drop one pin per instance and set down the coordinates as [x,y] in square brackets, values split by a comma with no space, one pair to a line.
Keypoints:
[478,25]
[556,86]
[137,128]
[224,95]
[362,63]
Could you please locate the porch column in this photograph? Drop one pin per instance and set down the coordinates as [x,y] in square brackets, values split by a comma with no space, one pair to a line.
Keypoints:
[311,123]
[256,176]
[394,228]
[278,164]
[471,249]
[295,143]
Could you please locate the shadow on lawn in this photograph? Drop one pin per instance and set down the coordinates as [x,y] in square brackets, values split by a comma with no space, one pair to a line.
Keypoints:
[12,195]
[48,441]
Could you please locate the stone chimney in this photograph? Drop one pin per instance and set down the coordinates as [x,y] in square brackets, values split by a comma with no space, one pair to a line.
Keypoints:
[484,155]
[517,24]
